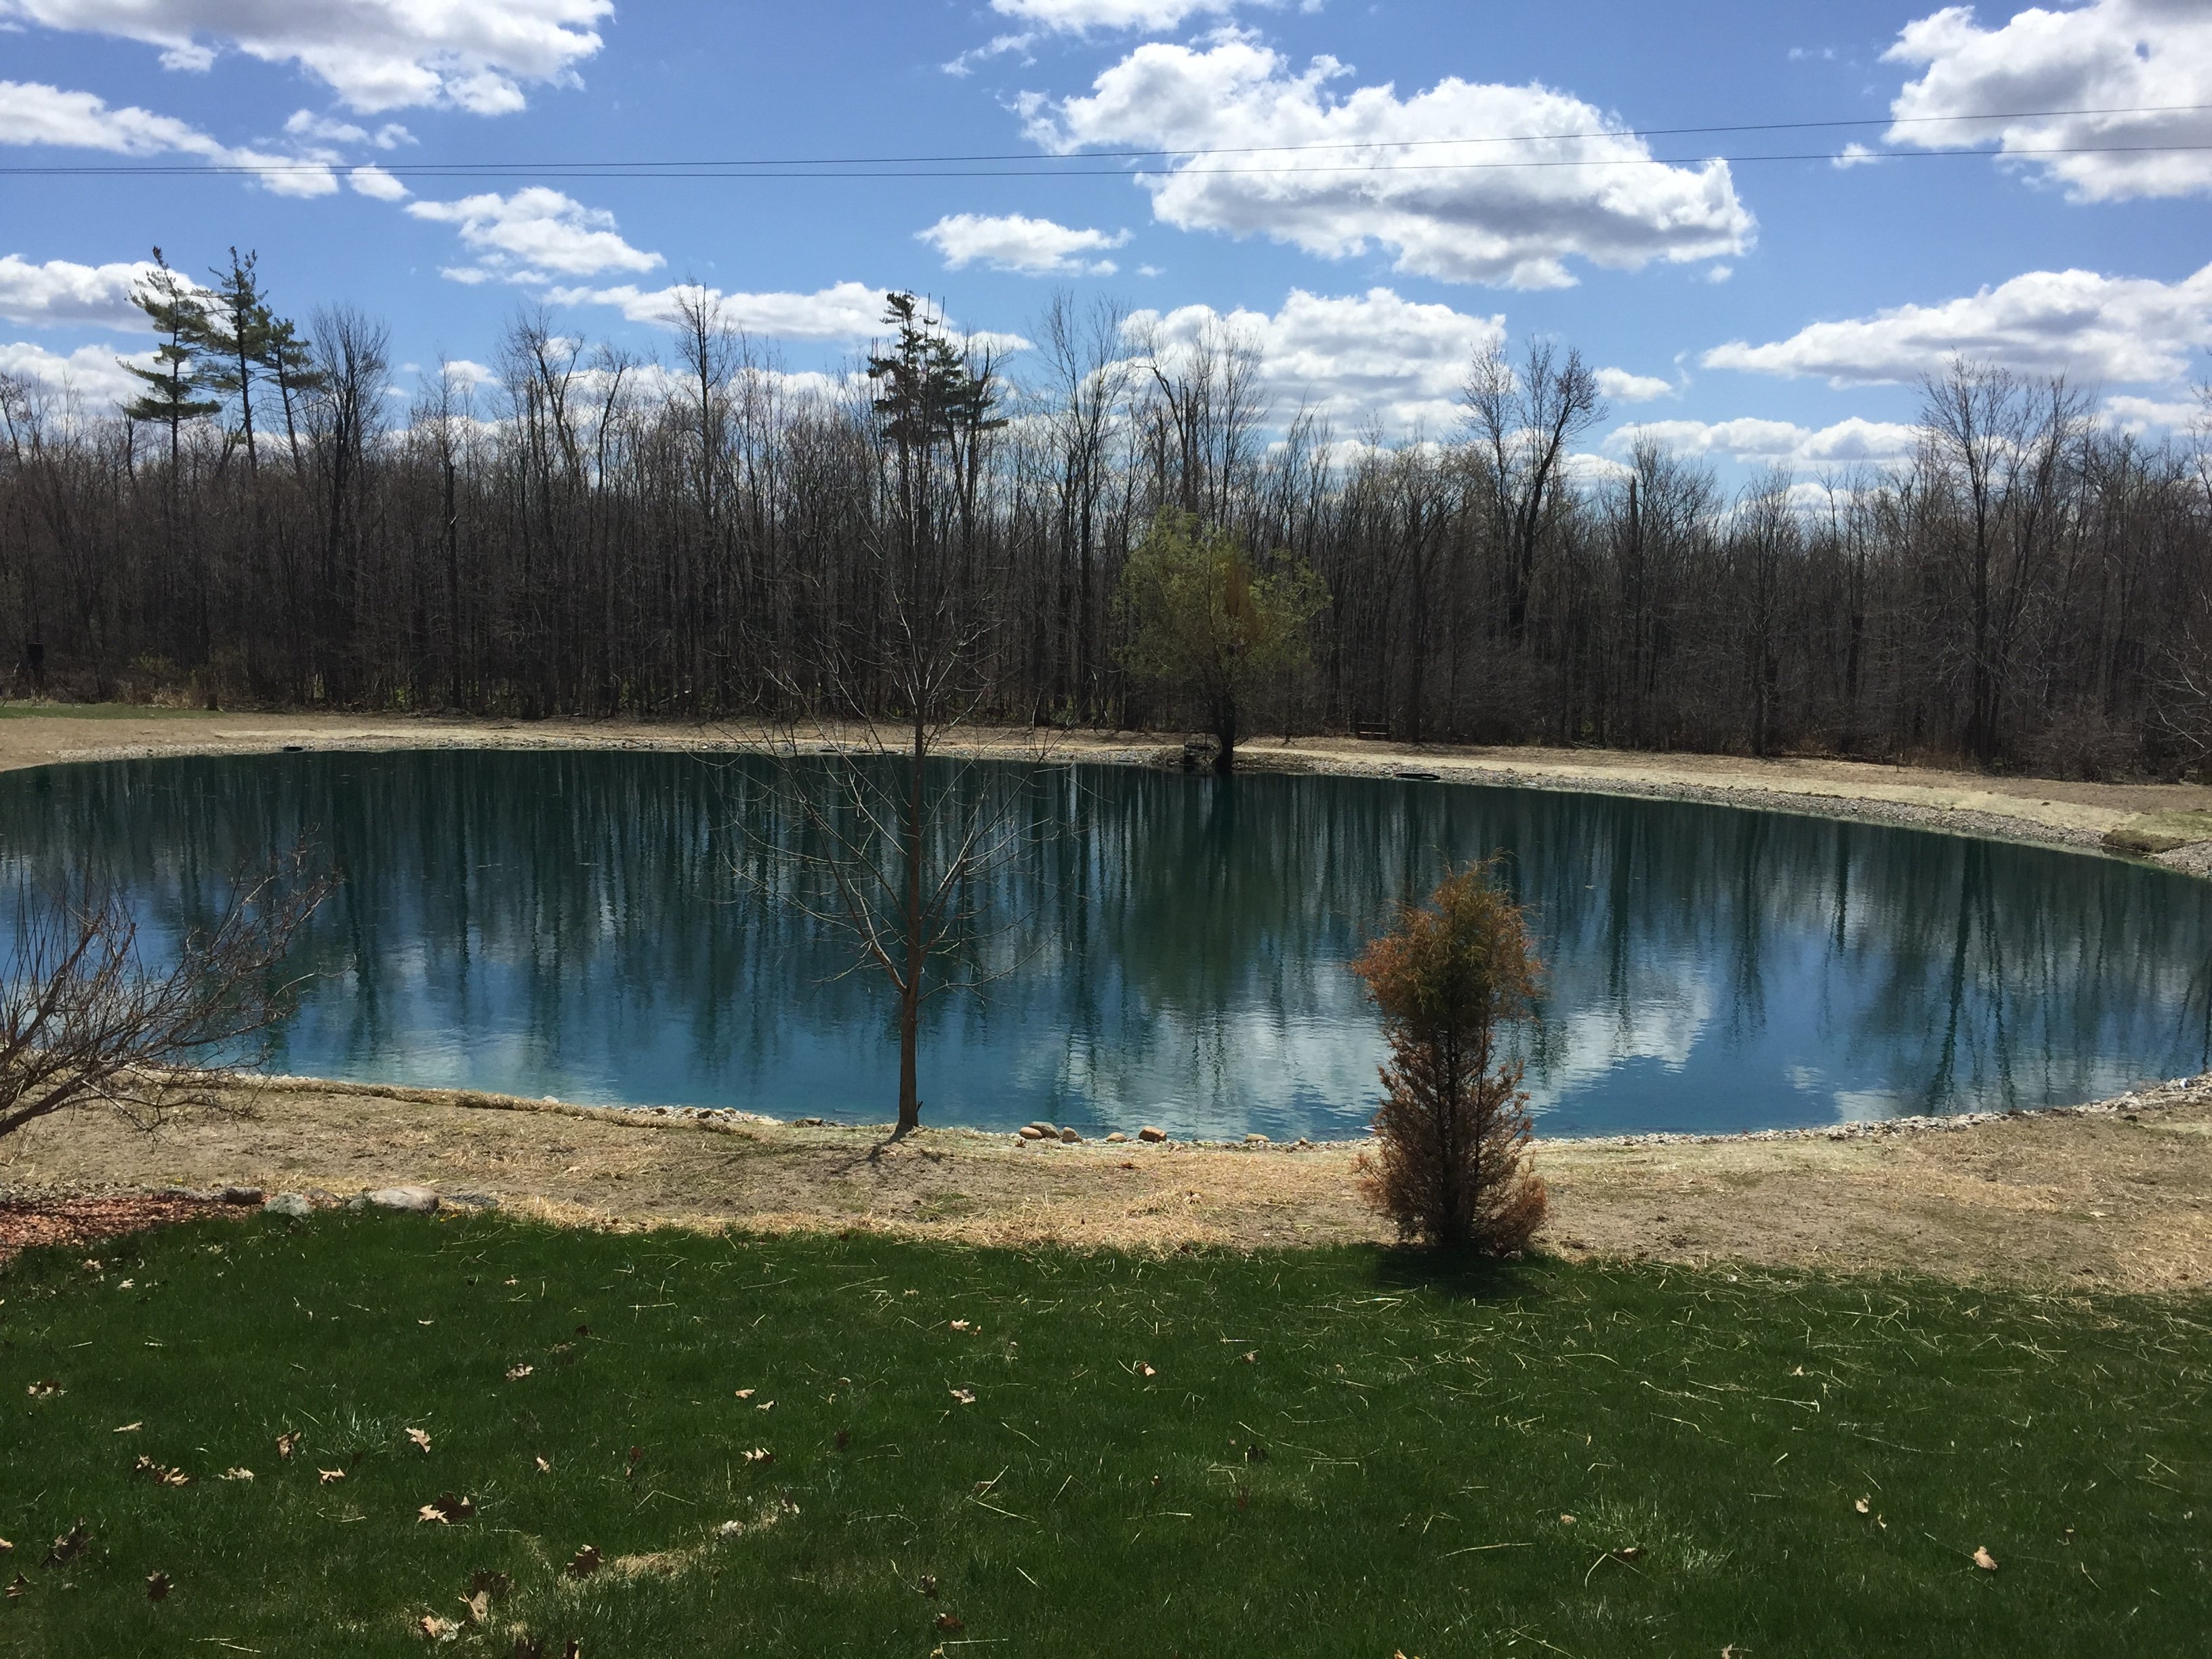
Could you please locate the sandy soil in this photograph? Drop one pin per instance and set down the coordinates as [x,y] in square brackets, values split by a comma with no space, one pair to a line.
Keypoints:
[2118,1196]
[2081,815]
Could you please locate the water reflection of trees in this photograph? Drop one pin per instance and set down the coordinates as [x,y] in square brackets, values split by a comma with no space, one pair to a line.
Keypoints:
[622,923]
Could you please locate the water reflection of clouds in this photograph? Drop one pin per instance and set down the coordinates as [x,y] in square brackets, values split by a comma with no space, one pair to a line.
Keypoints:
[577,925]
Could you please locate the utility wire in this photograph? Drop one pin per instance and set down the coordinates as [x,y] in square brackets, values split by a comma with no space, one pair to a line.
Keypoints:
[715,171]
[972,165]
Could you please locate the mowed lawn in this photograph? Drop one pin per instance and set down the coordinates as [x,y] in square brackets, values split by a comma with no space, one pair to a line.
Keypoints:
[814,1446]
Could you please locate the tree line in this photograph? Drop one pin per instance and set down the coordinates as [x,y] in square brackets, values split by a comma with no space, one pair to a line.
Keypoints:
[275,521]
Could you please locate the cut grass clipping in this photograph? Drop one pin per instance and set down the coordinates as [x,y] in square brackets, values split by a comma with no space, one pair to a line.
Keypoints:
[363,1435]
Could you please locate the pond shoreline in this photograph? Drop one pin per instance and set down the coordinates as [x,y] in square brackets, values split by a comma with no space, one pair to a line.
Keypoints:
[2092,817]
[2112,1195]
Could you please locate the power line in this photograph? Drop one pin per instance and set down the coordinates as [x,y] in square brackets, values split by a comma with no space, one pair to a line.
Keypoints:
[728,171]
[971,165]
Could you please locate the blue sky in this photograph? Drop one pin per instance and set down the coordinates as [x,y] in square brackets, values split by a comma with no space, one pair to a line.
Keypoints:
[1755,310]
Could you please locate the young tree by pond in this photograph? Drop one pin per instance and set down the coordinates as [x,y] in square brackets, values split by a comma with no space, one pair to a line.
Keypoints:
[1205,624]
[86,1022]
[1451,1165]
[899,849]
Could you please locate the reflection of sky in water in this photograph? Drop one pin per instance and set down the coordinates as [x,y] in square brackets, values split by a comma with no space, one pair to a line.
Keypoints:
[573,924]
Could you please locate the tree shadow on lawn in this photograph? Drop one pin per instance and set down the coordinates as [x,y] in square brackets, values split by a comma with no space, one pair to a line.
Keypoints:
[1460,1272]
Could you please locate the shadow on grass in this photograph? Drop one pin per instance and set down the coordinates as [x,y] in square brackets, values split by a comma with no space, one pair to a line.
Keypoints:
[1460,1273]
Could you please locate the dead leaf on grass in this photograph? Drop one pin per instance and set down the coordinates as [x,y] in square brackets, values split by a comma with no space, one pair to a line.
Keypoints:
[965,1329]
[745,1394]
[67,1548]
[545,1467]
[950,1621]
[236,1474]
[1251,1359]
[765,1406]
[163,1475]
[44,1388]
[758,1455]
[1864,1506]
[6,1548]
[516,1373]
[157,1586]
[16,1586]
[287,1443]
[584,1563]
[436,1629]
[330,1476]
[1146,1371]
[130,1428]
[420,1438]
[448,1508]
[478,1607]
[1984,1560]
[965,1396]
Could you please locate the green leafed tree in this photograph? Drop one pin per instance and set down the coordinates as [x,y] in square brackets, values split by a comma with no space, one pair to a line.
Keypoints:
[172,396]
[1203,623]
[237,340]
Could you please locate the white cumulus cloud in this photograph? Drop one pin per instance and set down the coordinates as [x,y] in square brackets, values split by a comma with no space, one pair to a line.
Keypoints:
[848,312]
[1081,16]
[62,292]
[376,182]
[1622,386]
[1374,357]
[1013,241]
[33,112]
[1388,175]
[1845,443]
[2138,58]
[92,371]
[2074,322]
[536,232]
[474,55]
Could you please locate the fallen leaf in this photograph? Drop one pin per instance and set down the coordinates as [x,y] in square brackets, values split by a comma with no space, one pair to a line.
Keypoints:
[765,1406]
[573,1650]
[330,1476]
[545,1467]
[962,1326]
[130,1428]
[844,1438]
[730,1529]
[759,1455]
[288,1443]
[1255,1453]
[16,1586]
[584,1563]
[436,1629]
[1633,1552]
[745,1394]
[1251,1359]
[420,1439]
[965,1396]
[950,1621]
[929,1584]
[1566,1520]
[163,1474]
[157,1586]
[1984,1560]
[236,1474]
[6,1548]
[478,1608]
[486,1582]
[44,1388]
[516,1373]
[1146,1371]
[446,1507]
[67,1548]
[1863,1507]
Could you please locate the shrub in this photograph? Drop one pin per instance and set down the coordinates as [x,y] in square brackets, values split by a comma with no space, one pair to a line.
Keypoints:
[1450,1163]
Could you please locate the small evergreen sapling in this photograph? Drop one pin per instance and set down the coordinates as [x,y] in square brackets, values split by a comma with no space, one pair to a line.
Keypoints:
[1451,1165]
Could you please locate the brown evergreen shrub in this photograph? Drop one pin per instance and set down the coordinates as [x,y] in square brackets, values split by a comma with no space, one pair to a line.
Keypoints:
[1451,1165]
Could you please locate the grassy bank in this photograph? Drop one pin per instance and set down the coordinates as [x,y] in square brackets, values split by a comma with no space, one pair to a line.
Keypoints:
[1331,1453]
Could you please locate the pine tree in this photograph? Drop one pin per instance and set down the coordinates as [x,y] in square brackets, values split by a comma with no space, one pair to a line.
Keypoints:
[179,317]
[237,337]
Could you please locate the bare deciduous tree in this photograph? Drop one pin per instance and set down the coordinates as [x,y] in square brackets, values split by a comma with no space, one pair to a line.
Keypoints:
[86,1021]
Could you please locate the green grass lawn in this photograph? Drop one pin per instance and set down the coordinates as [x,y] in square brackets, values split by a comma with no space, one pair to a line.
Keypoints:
[1329,1453]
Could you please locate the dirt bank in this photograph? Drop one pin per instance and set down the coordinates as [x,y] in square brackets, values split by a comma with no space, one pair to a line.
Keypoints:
[2173,819]
[2118,1196]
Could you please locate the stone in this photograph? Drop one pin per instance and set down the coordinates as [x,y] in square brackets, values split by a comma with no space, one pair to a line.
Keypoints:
[1117,1138]
[294,1205]
[1070,1136]
[1255,1138]
[1151,1135]
[412,1200]
[1045,1129]
[1030,1131]
[241,1194]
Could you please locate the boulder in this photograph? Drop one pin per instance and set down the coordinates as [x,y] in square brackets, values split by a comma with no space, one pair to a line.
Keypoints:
[241,1194]
[1030,1131]
[1045,1131]
[414,1200]
[1151,1134]
[293,1205]
[1070,1136]
[1117,1138]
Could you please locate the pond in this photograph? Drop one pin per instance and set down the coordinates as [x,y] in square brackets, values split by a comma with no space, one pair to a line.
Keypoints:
[585,925]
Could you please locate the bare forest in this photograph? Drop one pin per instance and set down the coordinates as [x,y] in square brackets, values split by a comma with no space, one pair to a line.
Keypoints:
[279,521]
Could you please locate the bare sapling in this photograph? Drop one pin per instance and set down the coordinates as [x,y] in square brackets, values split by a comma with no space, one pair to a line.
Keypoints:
[1451,1165]
[87,1022]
